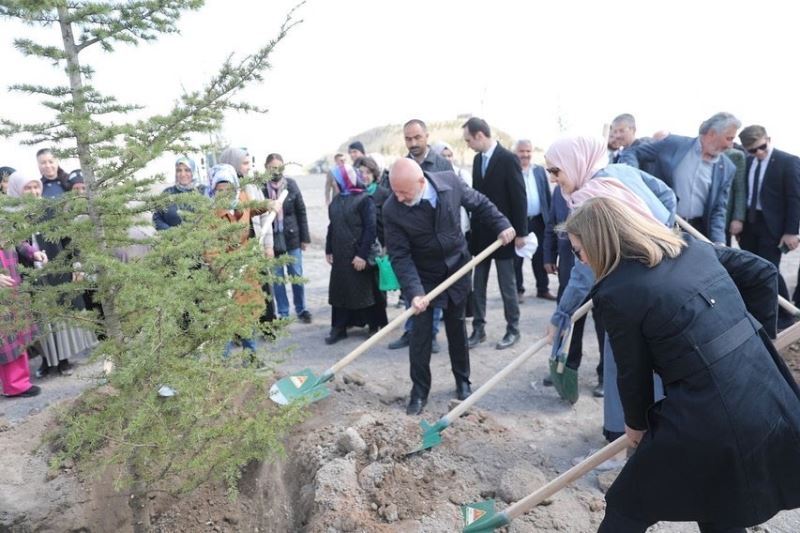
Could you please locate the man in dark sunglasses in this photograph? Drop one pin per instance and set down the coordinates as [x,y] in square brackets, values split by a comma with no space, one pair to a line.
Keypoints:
[773,204]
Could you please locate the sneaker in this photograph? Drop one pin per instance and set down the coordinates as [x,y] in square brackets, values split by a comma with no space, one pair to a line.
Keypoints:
[597,391]
[402,342]
[304,317]
[547,382]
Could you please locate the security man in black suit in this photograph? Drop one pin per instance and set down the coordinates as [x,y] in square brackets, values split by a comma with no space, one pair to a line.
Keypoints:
[422,225]
[497,174]
[773,204]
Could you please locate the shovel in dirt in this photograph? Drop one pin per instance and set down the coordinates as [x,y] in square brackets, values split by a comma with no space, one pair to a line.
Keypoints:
[432,434]
[565,379]
[688,228]
[306,386]
[481,517]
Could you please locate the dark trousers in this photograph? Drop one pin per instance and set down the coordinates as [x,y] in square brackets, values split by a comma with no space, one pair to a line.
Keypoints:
[757,239]
[535,225]
[615,522]
[508,290]
[566,260]
[419,348]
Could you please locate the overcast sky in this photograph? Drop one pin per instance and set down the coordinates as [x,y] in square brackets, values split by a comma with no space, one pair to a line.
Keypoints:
[355,64]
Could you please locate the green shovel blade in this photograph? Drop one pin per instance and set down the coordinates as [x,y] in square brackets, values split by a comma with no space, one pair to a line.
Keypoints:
[303,385]
[565,383]
[481,517]
[431,435]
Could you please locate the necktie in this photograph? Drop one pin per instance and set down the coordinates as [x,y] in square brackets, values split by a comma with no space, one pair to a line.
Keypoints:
[751,209]
[484,164]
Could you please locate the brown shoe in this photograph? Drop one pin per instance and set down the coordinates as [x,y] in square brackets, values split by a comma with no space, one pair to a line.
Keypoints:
[547,295]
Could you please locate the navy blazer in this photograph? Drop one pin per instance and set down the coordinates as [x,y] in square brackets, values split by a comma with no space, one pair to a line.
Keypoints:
[665,156]
[780,193]
[543,188]
[423,255]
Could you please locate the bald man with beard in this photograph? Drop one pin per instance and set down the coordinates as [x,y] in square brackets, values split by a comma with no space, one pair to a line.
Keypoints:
[422,227]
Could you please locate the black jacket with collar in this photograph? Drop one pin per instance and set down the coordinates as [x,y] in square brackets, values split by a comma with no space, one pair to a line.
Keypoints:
[424,254]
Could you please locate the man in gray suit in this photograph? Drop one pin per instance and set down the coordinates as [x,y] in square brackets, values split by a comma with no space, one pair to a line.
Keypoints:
[697,170]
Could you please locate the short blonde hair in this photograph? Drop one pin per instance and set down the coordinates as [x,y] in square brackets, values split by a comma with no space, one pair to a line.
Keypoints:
[610,232]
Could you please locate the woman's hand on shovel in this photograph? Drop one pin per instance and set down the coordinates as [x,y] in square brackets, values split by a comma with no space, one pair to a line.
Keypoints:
[635,436]
[550,333]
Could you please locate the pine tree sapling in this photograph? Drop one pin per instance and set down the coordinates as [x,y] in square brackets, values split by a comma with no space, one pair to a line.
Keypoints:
[168,314]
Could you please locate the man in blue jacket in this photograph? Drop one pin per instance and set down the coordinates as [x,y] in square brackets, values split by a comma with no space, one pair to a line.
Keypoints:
[697,170]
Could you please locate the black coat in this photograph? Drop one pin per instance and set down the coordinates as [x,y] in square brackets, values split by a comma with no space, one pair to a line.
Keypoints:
[379,198]
[426,250]
[724,445]
[780,193]
[350,233]
[295,219]
[504,186]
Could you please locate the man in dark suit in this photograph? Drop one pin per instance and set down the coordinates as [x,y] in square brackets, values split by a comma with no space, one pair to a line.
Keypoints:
[537,192]
[422,224]
[496,173]
[772,219]
[697,170]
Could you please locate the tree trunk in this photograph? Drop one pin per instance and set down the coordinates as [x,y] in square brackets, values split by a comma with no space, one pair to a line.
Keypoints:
[107,297]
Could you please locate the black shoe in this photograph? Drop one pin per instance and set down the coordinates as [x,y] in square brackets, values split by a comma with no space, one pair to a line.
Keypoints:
[372,331]
[43,371]
[508,340]
[546,295]
[463,390]
[547,382]
[304,317]
[415,406]
[476,338]
[335,336]
[598,392]
[64,367]
[434,346]
[33,391]
[402,342]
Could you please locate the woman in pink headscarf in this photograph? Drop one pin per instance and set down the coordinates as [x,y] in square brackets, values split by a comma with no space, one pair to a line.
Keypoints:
[580,167]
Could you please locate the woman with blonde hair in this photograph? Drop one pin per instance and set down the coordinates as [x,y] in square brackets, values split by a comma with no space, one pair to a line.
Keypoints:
[723,447]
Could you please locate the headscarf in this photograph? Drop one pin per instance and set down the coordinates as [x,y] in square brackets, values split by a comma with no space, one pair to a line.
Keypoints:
[76,176]
[440,146]
[357,145]
[233,157]
[225,173]
[16,182]
[195,178]
[583,157]
[347,179]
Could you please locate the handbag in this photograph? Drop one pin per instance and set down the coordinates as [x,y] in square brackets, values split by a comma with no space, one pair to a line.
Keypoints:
[387,279]
[279,242]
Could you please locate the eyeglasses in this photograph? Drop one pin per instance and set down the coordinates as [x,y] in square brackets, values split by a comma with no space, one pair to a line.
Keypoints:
[554,171]
[753,151]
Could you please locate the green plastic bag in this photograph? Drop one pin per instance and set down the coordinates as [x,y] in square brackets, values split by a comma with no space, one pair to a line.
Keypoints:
[387,280]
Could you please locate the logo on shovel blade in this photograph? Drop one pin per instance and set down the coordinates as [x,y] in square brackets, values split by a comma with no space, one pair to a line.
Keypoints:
[471,514]
[298,381]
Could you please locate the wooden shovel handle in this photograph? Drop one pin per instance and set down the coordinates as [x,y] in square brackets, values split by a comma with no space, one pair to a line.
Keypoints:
[688,228]
[400,319]
[573,474]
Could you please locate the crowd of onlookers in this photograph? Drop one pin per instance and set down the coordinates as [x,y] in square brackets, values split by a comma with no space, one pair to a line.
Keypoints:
[713,178]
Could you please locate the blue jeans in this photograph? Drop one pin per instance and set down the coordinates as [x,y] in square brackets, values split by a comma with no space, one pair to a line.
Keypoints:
[248,344]
[437,317]
[294,268]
